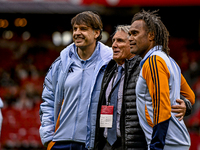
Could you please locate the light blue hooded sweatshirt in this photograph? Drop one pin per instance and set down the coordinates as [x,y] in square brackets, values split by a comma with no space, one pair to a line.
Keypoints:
[53,95]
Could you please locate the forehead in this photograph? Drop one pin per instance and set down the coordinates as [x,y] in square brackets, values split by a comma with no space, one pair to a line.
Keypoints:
[120,35]
[81,25]
[137,25]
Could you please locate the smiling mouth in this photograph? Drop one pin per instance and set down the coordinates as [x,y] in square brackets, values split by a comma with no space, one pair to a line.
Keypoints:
[79,39]
[132,45]
[116,52]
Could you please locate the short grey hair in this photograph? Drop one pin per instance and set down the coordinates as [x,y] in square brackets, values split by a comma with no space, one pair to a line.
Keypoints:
[124,28]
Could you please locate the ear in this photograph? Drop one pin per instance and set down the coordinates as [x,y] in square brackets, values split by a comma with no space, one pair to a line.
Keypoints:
[151,36]
[96,33]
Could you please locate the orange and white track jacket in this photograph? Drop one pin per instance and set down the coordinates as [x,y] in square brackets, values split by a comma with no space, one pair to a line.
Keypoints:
[159,84]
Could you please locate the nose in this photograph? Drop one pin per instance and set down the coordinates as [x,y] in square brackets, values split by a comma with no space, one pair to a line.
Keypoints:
[114,44]
[130,38]
[76,31]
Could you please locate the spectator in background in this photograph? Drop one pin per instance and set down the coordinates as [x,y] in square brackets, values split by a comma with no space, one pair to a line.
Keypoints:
[72,86]
[159,84]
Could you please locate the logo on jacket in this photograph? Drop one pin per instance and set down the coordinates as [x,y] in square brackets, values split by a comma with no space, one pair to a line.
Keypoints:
[70,70]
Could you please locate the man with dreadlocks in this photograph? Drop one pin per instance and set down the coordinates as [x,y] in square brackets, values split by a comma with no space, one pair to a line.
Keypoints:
[159,84]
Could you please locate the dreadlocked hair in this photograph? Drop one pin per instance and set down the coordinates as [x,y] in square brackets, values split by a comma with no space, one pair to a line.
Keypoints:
[156,26]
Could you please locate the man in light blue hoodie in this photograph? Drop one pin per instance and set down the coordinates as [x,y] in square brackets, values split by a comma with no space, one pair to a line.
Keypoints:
[72,87]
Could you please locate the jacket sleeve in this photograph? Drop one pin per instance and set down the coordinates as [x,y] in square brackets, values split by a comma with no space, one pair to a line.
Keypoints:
[47,127]
[186,91]
[1,103]
[187,104]
[187,95]
[156,74]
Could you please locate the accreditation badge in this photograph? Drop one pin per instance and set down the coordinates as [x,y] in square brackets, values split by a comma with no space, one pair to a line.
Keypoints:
[106,117]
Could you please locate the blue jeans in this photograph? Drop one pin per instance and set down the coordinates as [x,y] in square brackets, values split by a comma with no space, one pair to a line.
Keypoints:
[68,146]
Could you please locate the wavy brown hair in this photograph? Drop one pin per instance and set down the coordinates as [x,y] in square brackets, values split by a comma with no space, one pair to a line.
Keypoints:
[90,19]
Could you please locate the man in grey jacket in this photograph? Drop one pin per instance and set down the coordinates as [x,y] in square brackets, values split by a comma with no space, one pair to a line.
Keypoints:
[72,86]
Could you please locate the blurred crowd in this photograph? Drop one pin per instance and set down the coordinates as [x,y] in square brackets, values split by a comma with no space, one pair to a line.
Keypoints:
[23,65]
